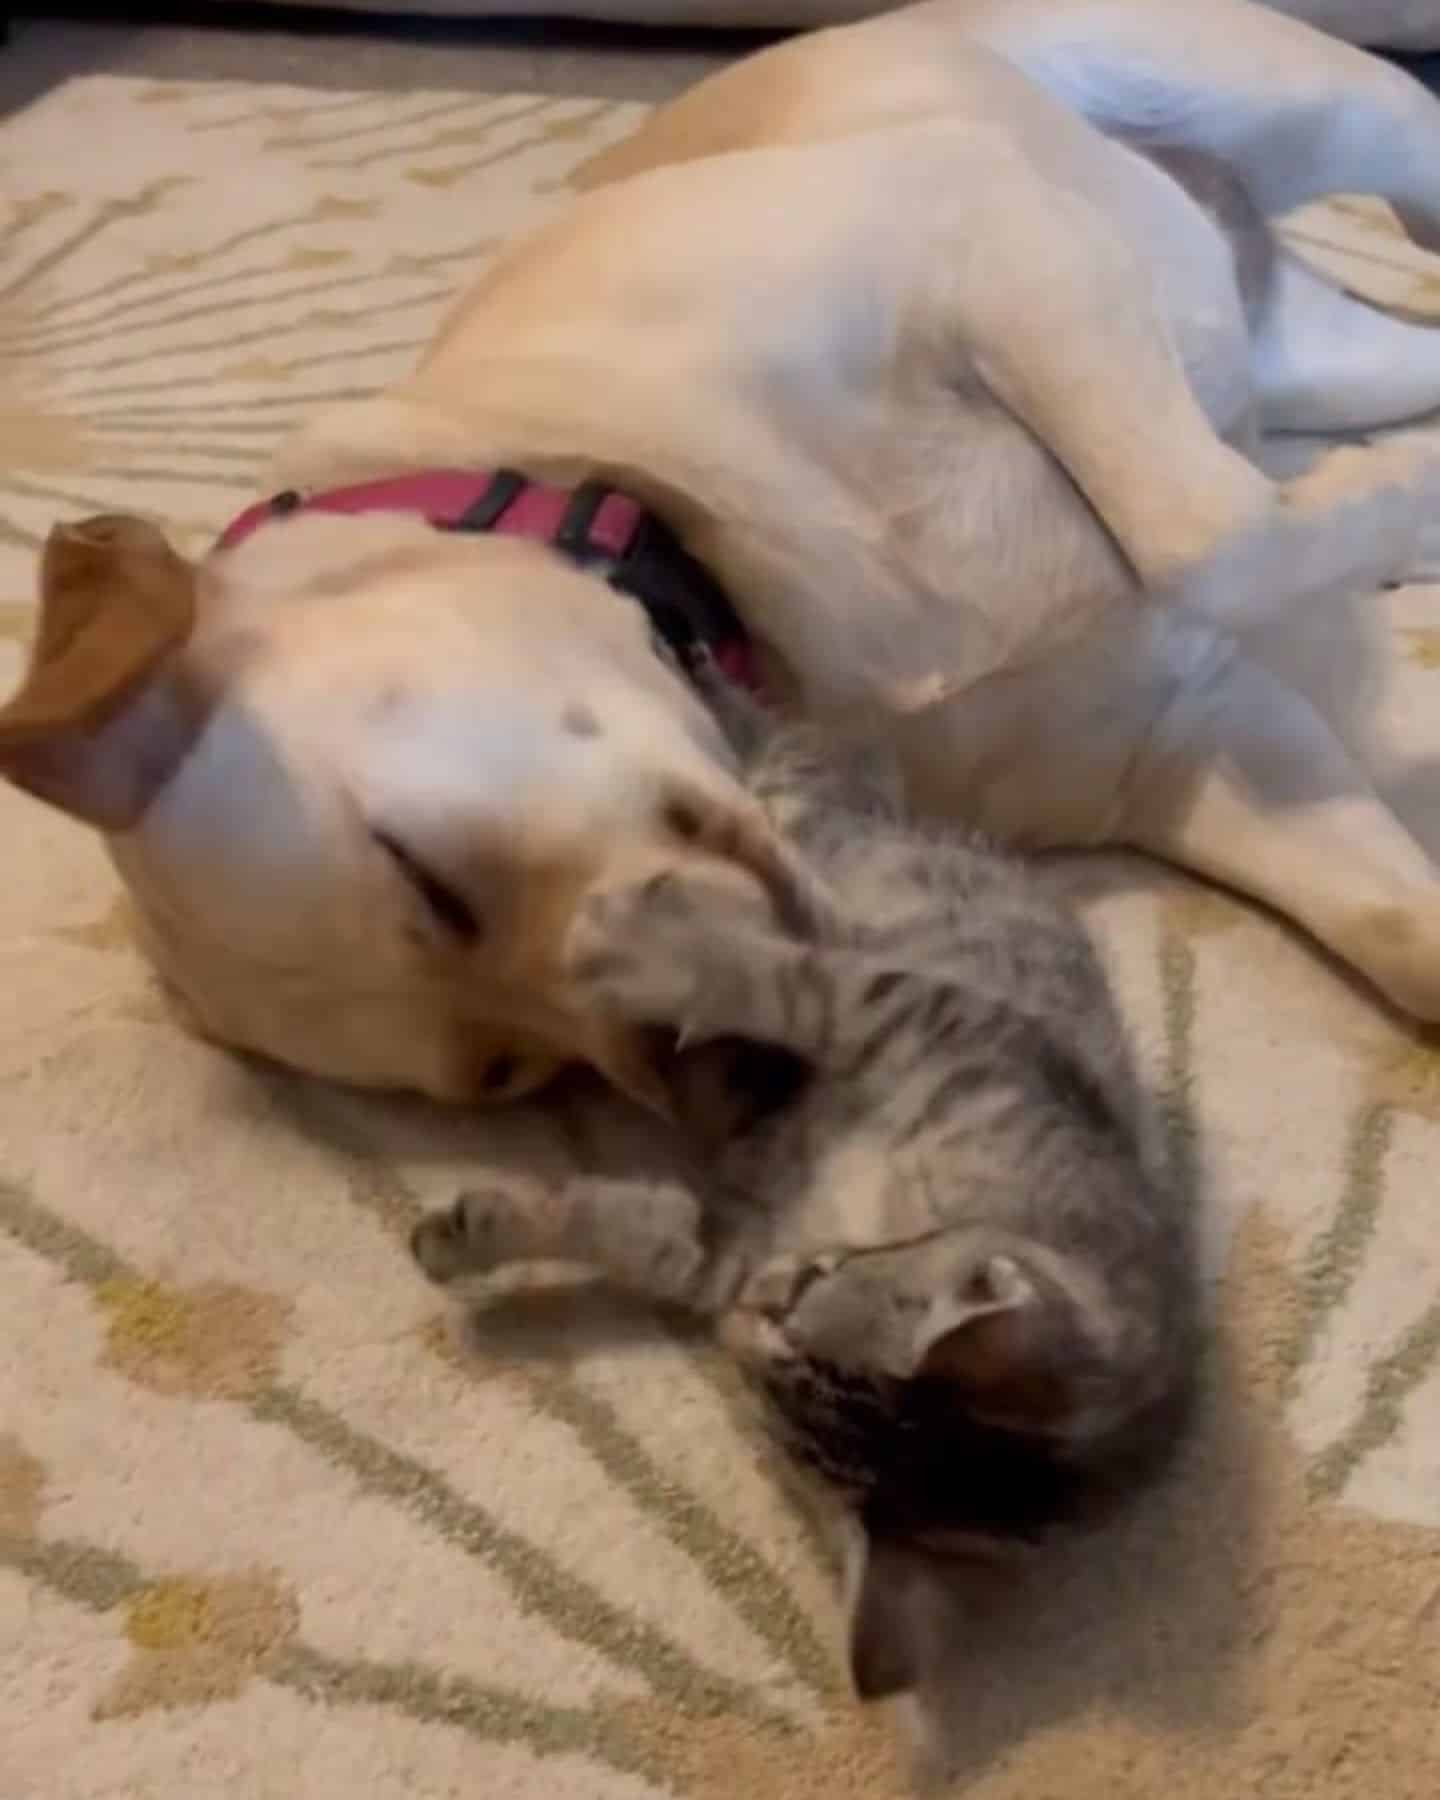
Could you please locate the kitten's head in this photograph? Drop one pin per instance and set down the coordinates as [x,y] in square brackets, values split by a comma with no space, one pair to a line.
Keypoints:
[966,1394]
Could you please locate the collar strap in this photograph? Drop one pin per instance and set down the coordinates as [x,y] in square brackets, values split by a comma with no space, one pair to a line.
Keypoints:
[597,528]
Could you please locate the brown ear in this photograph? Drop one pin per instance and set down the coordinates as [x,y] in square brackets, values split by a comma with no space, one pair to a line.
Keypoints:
[1009,1343]
[89,730]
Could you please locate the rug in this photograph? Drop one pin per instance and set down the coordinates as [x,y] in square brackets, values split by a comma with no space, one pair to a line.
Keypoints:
[268,1528]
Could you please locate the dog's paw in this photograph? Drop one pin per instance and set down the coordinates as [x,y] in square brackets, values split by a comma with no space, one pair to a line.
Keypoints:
[479,1232]
[641,952]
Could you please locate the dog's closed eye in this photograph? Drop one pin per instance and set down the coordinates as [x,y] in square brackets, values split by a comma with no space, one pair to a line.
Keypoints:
[445,906]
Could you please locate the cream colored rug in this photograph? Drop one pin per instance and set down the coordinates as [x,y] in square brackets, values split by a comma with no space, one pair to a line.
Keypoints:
[263,1532]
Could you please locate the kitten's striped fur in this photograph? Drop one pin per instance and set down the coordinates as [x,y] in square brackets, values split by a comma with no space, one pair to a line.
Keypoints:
[927,1221]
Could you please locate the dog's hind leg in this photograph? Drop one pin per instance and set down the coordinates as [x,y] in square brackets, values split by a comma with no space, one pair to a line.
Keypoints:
[1325,361]
[1063,330]
[1298,115]
[1242,781]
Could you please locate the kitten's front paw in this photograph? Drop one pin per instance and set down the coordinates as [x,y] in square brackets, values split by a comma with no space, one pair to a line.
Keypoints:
[475,1234]
[638,952]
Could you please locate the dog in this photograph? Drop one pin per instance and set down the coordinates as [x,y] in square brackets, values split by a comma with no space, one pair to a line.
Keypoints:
[928,356]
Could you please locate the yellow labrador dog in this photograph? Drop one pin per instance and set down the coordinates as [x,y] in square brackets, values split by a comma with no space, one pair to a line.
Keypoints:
[938,342]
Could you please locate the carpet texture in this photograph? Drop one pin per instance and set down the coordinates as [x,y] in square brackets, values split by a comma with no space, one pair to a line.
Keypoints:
[267,1528]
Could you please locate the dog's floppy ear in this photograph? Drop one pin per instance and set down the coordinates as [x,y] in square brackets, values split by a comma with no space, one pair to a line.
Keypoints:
[96,726]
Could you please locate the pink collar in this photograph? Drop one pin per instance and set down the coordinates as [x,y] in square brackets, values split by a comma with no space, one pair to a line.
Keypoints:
[459,500]
[597,528]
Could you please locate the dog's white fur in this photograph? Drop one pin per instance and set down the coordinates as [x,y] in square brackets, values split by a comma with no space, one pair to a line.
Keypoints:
[1383,24]
[951,383]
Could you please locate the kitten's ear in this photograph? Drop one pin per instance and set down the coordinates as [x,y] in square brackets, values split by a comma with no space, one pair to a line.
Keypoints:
[91,728]
[1009,1342]
[884,1619]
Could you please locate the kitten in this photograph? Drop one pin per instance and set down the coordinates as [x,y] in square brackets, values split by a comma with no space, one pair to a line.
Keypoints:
[925,1217]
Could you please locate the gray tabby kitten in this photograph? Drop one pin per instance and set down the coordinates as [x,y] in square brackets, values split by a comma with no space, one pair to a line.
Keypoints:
[923,1213]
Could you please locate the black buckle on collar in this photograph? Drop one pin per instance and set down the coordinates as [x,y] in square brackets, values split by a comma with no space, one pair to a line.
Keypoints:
[573,533]
[506,486]
[688,610]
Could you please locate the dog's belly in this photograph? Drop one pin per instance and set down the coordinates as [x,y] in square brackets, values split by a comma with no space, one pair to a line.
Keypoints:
[1041,757]
[982,521]
[937,510]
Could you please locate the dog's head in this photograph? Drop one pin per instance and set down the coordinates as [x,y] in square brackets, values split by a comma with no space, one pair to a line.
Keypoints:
[358,773]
